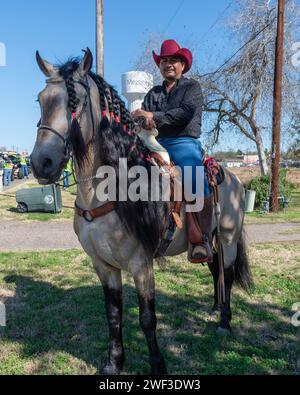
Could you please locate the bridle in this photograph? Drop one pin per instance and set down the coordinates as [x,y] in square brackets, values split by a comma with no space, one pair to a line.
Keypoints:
[66,137]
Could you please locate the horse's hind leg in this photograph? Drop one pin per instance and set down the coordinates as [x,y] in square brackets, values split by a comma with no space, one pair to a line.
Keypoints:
[144,281]
[110,278]
[214,269]
[225,309]
[224,327]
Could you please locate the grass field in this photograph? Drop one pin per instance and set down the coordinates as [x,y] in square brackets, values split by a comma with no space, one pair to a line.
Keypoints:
[56,317]
[290,214]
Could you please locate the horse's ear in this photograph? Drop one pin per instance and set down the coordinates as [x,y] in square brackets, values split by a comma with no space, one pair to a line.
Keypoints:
[86,63]
[47,68]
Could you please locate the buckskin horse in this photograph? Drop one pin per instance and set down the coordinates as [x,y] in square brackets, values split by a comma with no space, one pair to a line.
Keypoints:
[81,112]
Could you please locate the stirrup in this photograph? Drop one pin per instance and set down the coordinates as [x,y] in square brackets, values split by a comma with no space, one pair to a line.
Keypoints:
[209,254]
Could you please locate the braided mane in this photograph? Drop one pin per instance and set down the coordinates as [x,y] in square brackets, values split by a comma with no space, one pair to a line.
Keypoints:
[116,139]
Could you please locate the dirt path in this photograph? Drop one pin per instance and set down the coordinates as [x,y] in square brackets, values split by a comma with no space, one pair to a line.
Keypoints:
[29,236]
[37,235]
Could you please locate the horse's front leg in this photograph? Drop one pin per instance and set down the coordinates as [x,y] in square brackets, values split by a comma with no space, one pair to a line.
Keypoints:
[144,282]
[110,278]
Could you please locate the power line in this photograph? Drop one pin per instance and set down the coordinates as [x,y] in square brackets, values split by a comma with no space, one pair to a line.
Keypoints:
[216,21]
[173,17]
[242,47]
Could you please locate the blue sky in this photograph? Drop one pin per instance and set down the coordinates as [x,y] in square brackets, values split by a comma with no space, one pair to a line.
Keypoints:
[61,28]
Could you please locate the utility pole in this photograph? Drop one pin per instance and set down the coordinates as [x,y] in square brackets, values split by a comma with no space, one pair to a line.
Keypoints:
[277,101]
[99,38]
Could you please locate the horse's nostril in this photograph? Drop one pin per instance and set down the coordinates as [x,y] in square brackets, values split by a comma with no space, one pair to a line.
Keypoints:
[47,163]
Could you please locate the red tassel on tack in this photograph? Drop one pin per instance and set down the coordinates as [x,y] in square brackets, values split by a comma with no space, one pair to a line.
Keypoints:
[74,115]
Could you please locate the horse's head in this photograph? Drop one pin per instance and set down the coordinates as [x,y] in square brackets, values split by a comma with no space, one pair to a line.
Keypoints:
[64,103]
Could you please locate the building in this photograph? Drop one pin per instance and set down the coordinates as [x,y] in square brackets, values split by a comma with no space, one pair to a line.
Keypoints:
[232,163]
[250,158]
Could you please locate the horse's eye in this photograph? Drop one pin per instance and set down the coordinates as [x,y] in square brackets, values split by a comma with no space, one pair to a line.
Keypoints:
[38,124]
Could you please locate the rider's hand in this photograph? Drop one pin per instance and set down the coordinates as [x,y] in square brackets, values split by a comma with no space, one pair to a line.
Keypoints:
[148,124]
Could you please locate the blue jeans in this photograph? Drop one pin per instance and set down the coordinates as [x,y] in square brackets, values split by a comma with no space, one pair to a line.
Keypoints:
[7,177]
[24,170]
[66,181]
[186,151]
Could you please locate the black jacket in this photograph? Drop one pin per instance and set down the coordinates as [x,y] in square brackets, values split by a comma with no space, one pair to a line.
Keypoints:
[179,112]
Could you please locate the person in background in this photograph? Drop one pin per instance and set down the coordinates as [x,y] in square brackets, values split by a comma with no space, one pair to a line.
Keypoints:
[66,174]
[1,173]
[8,166]
[24,167]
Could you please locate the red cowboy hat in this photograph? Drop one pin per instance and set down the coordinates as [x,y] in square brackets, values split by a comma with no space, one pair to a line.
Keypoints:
[171,48]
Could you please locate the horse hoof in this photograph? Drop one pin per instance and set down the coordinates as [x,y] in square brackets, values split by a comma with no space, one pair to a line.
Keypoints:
[223,331]
[110,370]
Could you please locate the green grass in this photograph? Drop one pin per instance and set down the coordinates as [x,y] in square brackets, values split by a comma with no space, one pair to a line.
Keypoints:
[290,214]
[56,316]
[8,205]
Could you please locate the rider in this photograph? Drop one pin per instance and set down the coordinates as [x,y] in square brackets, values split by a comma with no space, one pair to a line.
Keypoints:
[175,109]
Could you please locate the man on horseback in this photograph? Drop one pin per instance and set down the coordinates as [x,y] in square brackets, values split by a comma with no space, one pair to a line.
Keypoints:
[175,109]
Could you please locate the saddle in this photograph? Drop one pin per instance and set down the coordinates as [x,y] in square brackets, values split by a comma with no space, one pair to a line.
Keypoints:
[215,174]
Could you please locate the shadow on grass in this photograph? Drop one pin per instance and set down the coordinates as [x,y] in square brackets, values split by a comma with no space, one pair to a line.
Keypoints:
[13,210]
[44,318]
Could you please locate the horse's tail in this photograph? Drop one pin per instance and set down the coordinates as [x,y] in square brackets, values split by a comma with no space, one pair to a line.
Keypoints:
[242,273]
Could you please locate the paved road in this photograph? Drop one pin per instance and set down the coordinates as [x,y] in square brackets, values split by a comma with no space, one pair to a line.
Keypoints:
[29,236]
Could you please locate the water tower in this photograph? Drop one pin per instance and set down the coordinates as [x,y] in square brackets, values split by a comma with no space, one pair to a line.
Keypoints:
[135,85]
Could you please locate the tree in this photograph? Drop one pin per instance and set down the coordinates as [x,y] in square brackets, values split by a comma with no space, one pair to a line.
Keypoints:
[144,60]
[239,96]
[294,148]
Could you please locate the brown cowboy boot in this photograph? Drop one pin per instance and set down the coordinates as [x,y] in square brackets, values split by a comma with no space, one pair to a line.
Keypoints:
[202,252]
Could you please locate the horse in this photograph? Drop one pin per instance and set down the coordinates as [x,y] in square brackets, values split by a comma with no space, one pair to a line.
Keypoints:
[82,113]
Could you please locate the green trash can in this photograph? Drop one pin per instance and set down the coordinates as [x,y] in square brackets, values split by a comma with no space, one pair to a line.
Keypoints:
[44,199]
[250,201]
